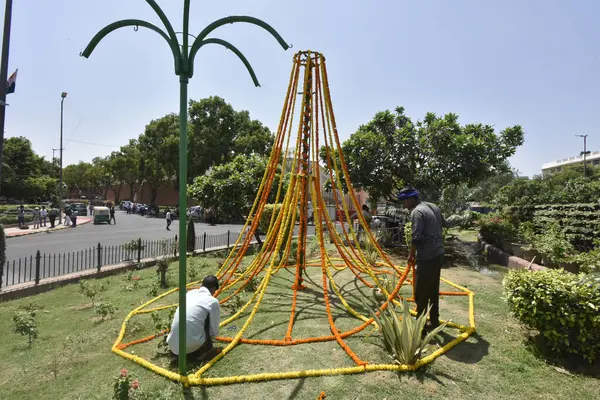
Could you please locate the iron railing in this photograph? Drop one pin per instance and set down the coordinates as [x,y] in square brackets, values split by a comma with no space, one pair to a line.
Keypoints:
[42,265]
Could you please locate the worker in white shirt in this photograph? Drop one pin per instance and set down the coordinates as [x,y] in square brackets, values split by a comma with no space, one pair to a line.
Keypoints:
[203,316]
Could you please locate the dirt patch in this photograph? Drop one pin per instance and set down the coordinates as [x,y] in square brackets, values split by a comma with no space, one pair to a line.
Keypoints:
[85,306]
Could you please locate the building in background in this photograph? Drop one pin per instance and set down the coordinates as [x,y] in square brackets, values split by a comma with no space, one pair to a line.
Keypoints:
[593,158]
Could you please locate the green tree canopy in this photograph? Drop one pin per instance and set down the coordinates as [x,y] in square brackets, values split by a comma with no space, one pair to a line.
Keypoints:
[391,151]
[567,186]
[218,134]
[232,187]
[24,171]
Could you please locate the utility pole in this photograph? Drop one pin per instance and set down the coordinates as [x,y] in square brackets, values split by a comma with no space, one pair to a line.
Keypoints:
[584,153]
[3,78]
[60,184]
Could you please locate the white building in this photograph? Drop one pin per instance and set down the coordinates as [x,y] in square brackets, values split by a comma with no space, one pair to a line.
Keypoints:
[593,158]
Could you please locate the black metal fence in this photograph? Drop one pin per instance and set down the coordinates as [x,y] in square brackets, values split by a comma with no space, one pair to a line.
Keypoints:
[41,266]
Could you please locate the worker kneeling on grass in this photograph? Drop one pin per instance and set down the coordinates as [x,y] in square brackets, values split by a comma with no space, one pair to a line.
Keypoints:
[203,316]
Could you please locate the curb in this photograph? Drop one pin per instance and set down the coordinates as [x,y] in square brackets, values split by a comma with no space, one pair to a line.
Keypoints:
[34,232]
[498,256]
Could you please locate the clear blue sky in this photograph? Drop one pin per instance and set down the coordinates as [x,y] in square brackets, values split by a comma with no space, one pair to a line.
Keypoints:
[533,63]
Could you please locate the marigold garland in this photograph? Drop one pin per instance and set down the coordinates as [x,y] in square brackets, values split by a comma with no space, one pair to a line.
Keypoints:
[304,184]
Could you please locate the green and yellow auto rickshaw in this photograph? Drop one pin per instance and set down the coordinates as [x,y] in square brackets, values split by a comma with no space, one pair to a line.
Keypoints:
[101,214]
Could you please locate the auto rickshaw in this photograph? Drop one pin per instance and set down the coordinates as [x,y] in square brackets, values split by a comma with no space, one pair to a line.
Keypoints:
[101,214]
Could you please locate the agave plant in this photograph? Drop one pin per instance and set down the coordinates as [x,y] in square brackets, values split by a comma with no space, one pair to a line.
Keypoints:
[370,250]
[402,334]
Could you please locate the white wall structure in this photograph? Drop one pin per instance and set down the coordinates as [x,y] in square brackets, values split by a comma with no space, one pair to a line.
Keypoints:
[556,166]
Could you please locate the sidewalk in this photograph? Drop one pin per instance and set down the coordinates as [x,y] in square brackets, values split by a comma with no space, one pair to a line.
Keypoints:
[15,232]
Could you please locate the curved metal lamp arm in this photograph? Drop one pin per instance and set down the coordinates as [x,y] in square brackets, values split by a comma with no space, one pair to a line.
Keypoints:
[133,22]
[230,20]
[163,19]
[234,50]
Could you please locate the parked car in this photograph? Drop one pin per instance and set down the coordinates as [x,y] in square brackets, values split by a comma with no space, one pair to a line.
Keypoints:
[79,209]
[195,212]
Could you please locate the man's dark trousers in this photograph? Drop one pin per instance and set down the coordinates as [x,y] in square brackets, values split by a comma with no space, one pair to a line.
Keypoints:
[206,346]
[427,290]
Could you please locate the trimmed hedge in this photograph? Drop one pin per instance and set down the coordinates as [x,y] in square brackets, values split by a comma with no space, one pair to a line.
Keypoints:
[563,307]
[12,218]
[580,222]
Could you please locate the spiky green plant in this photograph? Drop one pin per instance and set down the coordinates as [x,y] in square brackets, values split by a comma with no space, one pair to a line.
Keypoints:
[402,335]
[370,250]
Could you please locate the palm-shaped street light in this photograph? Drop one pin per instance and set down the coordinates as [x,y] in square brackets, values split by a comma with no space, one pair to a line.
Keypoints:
[183,56]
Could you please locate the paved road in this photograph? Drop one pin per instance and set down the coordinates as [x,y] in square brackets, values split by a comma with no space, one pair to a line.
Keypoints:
[128,227]
[85,237]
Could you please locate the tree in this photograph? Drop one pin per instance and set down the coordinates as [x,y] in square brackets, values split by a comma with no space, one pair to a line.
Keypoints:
[131,165]
[40,188]
[232,187]
[82,177]
[21,166]
[218,134]
[391,151]
[158,148]
[102,174]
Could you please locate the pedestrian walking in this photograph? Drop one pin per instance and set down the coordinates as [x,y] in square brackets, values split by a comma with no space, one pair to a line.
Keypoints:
[112,215]
[91,209]
[43,215]
[168,217]
[36,218]
[52,214]
[21,216]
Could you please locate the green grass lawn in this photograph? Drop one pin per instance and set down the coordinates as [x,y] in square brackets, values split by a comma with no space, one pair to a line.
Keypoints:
[71,359]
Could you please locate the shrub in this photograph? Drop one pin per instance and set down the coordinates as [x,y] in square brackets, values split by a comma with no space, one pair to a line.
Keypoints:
[494,228]
[562,306]
[131,248]
[154,289]
[193,270]
[589,262]
[553,244]
[104,309]
[26,325]
[162,265]
[191,236]
[402,335]
[91,289]
[252,284]
[124,388]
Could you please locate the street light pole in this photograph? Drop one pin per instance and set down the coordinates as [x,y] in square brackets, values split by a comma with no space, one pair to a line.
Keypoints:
[3,77]
[584,153]
[183,57]
[60,184]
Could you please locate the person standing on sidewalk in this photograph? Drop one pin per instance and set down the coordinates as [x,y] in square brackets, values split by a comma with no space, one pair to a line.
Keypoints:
[427,251]
[112,215]
[68,214]
[44,215]
[36,218]
[21,217]
[168,218]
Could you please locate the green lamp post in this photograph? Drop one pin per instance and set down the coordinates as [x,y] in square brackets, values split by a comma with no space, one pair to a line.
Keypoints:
[183,56]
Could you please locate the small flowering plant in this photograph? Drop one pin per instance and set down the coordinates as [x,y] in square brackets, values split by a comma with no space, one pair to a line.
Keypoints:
[124,387]
[495,229]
